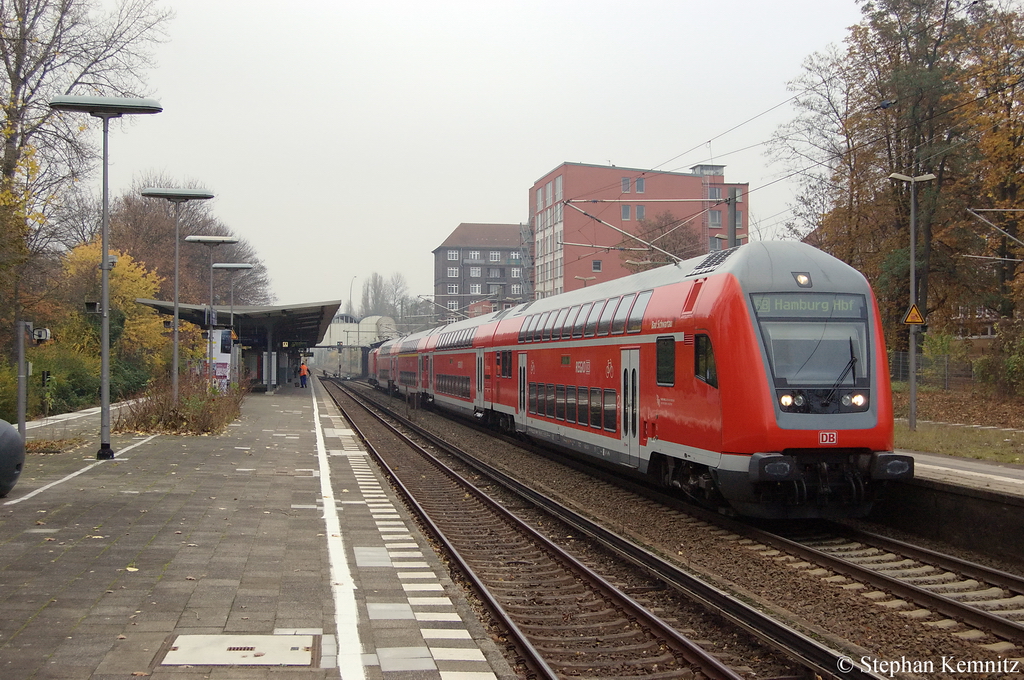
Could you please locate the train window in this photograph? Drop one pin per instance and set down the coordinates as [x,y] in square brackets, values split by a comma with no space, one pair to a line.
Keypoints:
[551,401]
[560,402]
[636,316]
[605,324]
[582,406]
[567,325]
[570,403]
[581,320]
[534,320]
[507,365]
[533,397]
[596,407]
[549,325]
[666,361]
[595,313]
[704,361]
[522,329]
[556,330]
[539,328]
[609,410]
[691,297]
[621,313]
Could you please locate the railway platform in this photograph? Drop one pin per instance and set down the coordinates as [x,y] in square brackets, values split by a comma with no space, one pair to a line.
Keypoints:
[276,548]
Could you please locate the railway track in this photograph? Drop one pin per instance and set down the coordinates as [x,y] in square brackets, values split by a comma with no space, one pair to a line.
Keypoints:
[941,590]
[575,621]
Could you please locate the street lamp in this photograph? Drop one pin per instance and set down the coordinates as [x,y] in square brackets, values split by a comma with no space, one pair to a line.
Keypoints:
[105,108]
[212,242]
[177,197]
[231,268]
[912,415]
[585,279]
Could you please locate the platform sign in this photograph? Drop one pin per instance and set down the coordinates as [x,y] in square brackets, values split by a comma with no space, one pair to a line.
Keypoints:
[913,317]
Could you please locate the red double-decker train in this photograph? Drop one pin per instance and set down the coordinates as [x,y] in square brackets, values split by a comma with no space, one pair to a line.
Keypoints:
[753,379]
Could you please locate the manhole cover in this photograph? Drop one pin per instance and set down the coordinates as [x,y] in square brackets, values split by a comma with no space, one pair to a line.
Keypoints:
[240,650]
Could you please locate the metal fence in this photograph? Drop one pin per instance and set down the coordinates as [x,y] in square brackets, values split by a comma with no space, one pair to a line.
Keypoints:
[942,372]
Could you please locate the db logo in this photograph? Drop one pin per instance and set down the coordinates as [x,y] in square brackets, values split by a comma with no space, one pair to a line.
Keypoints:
[828,438]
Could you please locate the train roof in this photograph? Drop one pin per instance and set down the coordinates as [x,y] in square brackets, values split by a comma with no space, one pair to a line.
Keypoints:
[759,265]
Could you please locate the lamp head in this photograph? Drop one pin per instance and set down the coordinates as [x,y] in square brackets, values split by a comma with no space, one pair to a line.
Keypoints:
[111,107]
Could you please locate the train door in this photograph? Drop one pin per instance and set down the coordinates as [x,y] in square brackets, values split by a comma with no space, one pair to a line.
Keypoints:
[479,401]
[630,416]
[522,388]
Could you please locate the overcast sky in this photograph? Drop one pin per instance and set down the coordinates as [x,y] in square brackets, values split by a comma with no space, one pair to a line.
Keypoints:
[343,138]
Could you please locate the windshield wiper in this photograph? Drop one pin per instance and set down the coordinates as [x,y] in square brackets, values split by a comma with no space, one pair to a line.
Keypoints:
[842,376]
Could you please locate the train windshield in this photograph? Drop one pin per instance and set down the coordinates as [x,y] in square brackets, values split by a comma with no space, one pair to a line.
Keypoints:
[814,339]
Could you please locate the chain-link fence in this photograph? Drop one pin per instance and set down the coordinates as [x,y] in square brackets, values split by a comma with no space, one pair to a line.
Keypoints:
[942,372]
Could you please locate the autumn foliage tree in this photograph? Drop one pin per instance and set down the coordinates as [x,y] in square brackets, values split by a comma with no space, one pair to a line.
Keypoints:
[919,87]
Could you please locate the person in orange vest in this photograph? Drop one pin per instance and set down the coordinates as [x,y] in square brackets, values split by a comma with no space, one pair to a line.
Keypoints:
[303,374]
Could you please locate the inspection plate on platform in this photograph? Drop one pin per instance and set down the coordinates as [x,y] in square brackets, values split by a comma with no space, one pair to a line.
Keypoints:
[240,650]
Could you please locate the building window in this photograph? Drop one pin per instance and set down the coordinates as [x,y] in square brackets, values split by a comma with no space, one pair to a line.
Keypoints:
[715,219]
[517,289]
[495,272]
[453,255]
[625,212]
[715,193]
[453,289]
[474,289]
[453,305]
[739,221]
[641,212]
[474,254]
[640,185]
[715,244]
[625,185]
[595,266]
[495,289]
[514,255]
[517,273]
[475,272]
[453,272]
[495,256]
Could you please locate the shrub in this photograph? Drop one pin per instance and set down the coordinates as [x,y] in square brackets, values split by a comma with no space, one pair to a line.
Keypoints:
[200,409]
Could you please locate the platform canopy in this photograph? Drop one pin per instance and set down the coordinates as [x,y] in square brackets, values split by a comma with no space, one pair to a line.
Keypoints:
[301,325]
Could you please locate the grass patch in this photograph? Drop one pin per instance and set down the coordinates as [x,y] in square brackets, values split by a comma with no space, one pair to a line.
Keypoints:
[200,409]
[964,442]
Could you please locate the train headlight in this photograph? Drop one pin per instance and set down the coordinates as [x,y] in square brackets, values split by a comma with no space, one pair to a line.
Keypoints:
[791,401]
[851,401]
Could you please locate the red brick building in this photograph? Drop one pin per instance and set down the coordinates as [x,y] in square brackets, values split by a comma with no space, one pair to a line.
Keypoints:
[571,249]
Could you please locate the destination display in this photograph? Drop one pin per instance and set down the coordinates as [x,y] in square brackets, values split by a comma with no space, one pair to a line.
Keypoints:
[809,305]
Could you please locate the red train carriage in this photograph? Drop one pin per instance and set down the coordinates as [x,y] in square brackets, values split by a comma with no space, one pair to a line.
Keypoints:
[754,378]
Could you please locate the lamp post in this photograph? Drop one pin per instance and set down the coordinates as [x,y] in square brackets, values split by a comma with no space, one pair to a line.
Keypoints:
[177,197]
[585,279]
[105,108]
[212,242]
[231,268]
[912,415]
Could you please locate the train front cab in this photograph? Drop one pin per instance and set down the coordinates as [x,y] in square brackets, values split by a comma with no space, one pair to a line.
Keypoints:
[818,415]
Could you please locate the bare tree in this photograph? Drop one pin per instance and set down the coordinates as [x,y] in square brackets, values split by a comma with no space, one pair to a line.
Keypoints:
[144,228]
[52,47]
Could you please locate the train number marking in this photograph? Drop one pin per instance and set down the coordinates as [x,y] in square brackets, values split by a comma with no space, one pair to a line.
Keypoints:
[828,438]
